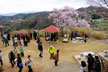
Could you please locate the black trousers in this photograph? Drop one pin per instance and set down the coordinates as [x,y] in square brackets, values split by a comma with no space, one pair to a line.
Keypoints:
[12,62]
[30,69]
[20,69]
[56,63]
[89,68]
[1,62]
[22,54]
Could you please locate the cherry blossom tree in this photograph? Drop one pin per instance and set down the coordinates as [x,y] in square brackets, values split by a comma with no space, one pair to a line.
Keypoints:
[83,23]
[98,2]
[67,17]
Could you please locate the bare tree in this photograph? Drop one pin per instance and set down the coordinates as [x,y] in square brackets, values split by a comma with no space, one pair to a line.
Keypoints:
[103,3]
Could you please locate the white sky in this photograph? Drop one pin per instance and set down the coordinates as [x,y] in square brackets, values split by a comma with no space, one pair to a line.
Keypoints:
[18,6]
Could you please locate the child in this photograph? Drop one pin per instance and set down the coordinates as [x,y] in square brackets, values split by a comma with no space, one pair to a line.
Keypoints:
[83,67]
[21,50]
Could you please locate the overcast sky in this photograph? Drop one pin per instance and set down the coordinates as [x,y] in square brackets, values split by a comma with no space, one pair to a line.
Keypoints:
[18,6]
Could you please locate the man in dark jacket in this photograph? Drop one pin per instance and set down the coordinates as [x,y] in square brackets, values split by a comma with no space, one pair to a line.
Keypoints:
[97,65]
[35,35]
[90,62]
[19,63]
[11,58]
[40,47]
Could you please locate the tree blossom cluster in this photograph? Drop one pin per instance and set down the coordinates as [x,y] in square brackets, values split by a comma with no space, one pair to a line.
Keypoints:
[68,17]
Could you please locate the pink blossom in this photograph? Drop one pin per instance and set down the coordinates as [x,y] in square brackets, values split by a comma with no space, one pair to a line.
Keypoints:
[68,17]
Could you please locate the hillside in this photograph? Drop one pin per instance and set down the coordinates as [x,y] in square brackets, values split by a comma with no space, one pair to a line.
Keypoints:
[40,20]
[97,10]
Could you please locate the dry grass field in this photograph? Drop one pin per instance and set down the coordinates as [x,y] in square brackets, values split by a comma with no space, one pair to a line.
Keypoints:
[67,62]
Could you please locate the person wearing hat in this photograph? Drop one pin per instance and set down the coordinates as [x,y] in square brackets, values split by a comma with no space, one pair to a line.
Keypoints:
[15,51]
[51,50]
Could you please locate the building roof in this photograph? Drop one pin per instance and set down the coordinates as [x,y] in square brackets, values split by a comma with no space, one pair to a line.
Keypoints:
[2,26]
[51,29]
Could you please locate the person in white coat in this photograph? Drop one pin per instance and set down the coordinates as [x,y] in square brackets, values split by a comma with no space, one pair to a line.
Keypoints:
[28,63]
[83,67]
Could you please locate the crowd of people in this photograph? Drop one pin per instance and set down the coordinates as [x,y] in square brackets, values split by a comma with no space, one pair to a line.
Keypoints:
[94,64]
[52,37]
[76,34]
[15,58]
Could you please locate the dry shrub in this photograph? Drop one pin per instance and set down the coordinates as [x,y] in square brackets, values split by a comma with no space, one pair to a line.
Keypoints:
[89,32]
[25,31]
[99,35]
[41,33]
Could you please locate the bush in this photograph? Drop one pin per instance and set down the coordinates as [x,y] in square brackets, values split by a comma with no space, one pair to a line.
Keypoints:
[41,33]
[25,31]
[98,35]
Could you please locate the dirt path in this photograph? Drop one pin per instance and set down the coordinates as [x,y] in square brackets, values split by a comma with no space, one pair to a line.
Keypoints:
[67,62]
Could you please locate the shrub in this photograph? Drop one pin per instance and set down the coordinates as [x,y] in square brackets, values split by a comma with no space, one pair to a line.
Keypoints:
[41,33]
[98,35]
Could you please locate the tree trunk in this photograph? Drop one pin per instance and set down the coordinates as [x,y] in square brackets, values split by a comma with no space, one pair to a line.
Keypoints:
[62,31]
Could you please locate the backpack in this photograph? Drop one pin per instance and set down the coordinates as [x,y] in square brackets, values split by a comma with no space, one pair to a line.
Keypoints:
[26,63]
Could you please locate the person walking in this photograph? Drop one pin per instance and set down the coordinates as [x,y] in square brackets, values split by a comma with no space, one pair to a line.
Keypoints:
[35,35]
[21,35]
[40,48]
[19,63]
[11,58]
[51,50]
[83,66]
[6,42]
[8,36]
[72,35]
[30,35]
[90,62]
[56,58]
[21,50]
[28,63]
[76,34]
[1,62]
[15,51]
[97,65]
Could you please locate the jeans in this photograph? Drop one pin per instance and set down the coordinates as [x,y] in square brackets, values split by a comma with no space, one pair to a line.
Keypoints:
[6,44]
[30,69]
[40,54]
[20,69]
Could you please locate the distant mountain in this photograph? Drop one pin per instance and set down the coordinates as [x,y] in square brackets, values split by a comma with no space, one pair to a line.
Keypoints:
[9,14]
[0,15]
[30,20]
[97,10]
